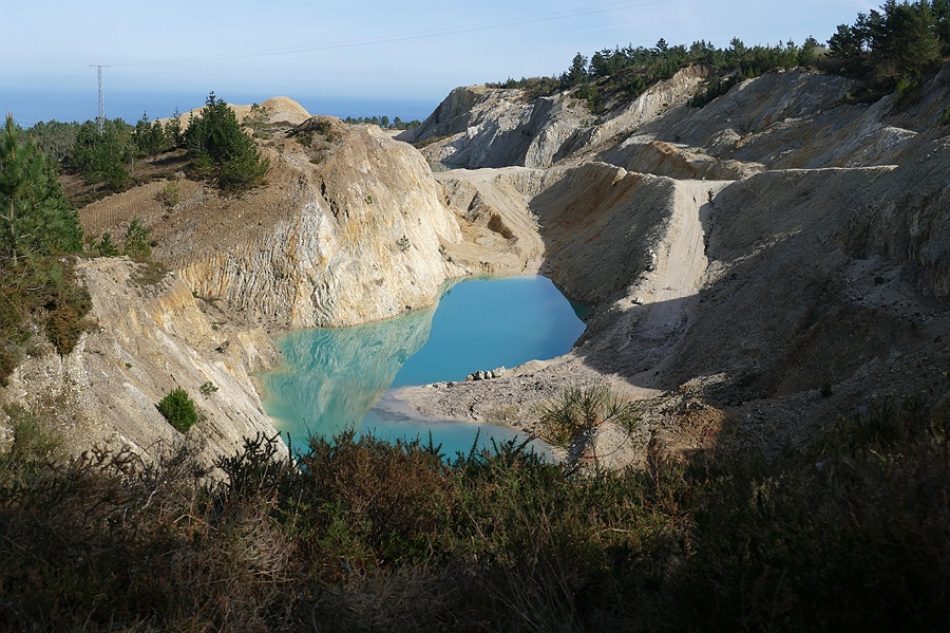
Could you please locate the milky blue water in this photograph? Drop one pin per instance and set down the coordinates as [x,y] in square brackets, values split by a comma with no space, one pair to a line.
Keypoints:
[332,378]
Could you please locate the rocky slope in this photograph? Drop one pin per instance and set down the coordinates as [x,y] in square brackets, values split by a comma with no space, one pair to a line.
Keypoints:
[148,337]
[483,127]
[349,229]
[729,288]
[783,119]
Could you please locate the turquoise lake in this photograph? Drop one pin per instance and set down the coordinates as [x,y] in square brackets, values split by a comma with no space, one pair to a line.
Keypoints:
[332,378]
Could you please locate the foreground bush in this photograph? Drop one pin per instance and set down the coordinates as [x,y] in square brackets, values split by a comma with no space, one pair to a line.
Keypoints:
[849,533]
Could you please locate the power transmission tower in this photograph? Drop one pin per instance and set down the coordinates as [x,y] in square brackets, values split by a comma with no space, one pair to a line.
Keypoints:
[101,117]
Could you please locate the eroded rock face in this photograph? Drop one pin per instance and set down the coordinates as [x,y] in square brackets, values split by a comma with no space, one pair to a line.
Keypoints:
[648,156]
[484,127]
[501,234]
[353,239]
[147,339]
[780,120]
[658,101]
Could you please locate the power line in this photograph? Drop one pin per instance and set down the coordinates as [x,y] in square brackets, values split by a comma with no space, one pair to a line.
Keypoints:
[442,32]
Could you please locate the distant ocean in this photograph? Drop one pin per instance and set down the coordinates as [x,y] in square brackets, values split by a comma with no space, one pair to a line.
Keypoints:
[29,107]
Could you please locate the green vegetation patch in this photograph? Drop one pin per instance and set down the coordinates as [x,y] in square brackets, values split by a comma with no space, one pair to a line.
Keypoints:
[574,417]
[900,42]
[221,151]
[179,409]
[38,228]
[137,244]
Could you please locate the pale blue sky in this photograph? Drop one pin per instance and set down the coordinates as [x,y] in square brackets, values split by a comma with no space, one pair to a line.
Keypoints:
[166,46]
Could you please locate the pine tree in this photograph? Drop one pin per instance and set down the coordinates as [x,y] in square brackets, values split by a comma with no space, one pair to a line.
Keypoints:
[35,217]
[941,10]
[149,137]
[578,71]
[173,131]
[220,149]
[102,157]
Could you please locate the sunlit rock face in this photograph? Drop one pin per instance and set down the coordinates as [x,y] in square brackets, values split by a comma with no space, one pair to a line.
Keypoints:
[355,238]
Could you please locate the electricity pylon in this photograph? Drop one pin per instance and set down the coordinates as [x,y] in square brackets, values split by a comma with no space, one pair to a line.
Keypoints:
[101,117]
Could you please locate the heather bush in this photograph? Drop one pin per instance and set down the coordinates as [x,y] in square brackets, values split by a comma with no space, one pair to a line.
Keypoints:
[850,531]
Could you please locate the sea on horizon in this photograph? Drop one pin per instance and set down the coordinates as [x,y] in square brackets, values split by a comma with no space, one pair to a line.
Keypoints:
[32,106]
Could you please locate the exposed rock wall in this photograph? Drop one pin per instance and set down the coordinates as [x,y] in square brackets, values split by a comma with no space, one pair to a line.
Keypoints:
[483,127]
[660,99]
[648,156]
[147,339]
[501,234]
[823,277]
[780,120]
[355,238]
[600,223]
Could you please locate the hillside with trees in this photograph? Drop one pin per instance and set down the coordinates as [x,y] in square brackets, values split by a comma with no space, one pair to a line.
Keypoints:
[887,48]
[37,226]
[213,146]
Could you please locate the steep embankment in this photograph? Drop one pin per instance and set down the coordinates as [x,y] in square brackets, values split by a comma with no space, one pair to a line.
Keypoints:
[484,127]
[782,119]
[349,229]
[834,276]
[148,337]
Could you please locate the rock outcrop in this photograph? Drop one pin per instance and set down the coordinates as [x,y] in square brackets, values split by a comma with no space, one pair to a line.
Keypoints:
[780,120]
[351,234]
[485,127]
[148,337]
